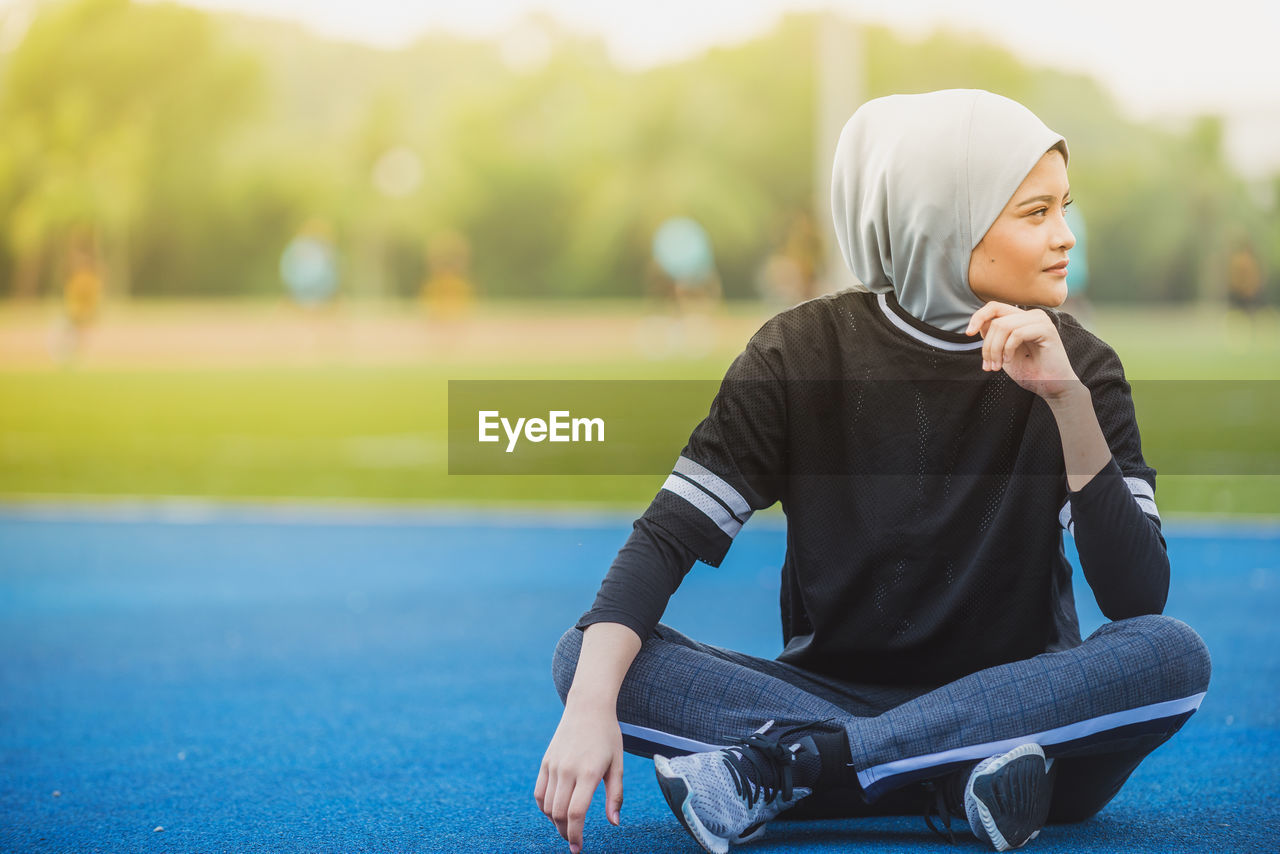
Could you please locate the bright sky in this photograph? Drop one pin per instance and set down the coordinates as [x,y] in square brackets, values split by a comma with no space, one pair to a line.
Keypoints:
[1158,58]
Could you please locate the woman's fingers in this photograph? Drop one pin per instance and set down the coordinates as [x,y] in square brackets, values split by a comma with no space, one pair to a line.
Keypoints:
[1003,335]
[549,797]
[540,787]
[1036,329]
[979,319]
[1025,344]
[560,808]
[613,790]
[569,775]
[989,322]
[993,344]
[1015,340]
[577,814]
[1030,334]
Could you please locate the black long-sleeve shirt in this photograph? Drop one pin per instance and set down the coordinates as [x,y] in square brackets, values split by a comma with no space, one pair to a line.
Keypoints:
[925,499]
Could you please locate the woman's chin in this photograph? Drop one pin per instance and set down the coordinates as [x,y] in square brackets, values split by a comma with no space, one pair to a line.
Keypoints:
[1053,295]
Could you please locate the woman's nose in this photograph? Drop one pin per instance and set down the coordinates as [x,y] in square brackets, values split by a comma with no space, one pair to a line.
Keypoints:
[1064,238]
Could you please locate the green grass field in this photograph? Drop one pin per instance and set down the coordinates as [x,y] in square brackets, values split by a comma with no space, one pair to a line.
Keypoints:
[356,418]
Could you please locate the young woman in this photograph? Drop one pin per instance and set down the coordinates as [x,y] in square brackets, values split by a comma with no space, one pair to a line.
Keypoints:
[929,441]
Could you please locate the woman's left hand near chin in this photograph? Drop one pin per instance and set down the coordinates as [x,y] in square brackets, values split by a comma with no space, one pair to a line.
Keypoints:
[1025,344]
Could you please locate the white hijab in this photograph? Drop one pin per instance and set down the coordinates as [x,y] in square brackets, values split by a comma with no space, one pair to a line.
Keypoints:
[918,180]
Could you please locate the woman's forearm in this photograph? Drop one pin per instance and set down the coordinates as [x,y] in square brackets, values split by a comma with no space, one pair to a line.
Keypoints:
[1121,551]
[607,652]
[1084,447]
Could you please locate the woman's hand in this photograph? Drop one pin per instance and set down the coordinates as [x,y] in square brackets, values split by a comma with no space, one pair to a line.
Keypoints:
[586,747]
[1026,345]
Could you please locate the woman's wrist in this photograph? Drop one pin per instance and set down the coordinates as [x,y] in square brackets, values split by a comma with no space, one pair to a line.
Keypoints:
[589,699]
[607,652]
[1073,395]
[1084,447]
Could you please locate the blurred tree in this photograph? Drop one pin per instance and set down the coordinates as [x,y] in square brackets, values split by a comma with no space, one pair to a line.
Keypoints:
[128,121]
[113,114]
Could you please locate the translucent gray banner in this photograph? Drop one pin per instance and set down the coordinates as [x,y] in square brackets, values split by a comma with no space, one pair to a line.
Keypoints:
[893,427]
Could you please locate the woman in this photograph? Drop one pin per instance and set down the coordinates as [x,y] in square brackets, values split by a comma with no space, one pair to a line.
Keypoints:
[929,441]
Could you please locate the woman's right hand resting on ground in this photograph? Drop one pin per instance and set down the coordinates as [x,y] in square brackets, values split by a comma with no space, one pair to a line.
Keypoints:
[587,745]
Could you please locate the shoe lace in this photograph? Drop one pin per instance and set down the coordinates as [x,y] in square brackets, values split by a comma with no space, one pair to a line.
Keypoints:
[761,766]
[769,762]
[945,805]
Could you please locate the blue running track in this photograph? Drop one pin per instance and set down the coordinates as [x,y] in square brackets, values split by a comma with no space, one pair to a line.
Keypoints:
[258,680]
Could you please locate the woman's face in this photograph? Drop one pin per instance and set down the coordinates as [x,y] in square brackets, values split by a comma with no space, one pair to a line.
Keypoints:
[1017,259]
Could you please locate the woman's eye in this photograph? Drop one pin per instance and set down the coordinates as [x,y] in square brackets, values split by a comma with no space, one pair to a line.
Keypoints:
[1044,211]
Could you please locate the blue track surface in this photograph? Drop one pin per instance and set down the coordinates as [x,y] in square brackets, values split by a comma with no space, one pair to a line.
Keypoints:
[249,682]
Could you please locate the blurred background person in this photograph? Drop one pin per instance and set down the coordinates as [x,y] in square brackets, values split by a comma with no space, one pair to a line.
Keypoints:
[1244,287]
[682,248]
[81,302]
[447,293]
[791,273]
[309,265]
[682,278]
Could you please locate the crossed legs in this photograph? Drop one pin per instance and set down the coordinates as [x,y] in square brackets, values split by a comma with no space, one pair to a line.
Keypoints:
[1098,709]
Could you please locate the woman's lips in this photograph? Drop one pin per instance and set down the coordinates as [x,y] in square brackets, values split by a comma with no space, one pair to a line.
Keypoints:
[1057,269]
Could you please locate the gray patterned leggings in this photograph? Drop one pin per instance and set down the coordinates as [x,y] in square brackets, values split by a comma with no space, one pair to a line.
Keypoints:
[1099,708]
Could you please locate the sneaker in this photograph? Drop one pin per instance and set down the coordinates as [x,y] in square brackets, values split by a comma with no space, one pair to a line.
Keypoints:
[1004,798]
[725,797]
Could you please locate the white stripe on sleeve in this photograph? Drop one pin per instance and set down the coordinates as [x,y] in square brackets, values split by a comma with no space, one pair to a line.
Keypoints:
[1143,496]
[704,502]
[1148,506]
[714,484]
[1140,487]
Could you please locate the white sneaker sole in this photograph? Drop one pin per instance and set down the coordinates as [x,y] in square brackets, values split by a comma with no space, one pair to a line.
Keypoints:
[990,766]
[675,788]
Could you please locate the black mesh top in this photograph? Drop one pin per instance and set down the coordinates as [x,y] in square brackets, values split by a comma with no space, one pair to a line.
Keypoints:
[925,498]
